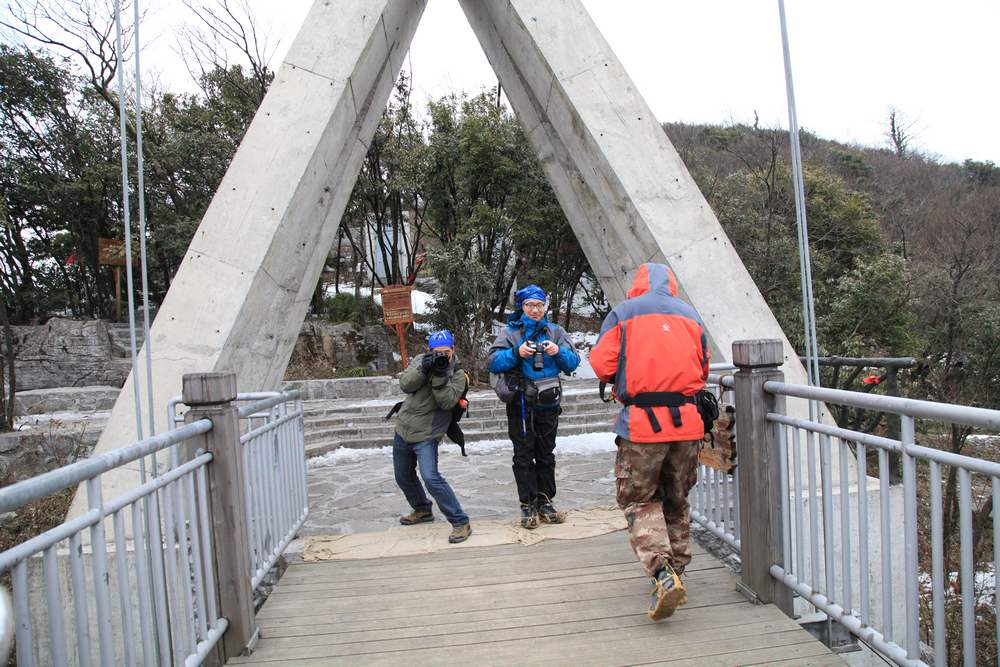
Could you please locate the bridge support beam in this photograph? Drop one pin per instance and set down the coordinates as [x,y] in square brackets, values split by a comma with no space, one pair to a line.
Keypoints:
[762,502]
[239,297]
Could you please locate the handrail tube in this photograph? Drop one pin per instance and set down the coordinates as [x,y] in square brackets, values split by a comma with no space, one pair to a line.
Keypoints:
[836,431]
[713,528]
[863,362]
[270,426]
[29,490]
[208,643]
[63,531]
[272,557]
[961,414]
[268,403]
[867,634]
[970,463]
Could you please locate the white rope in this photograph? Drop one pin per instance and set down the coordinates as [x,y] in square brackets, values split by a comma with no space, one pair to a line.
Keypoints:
[126,221]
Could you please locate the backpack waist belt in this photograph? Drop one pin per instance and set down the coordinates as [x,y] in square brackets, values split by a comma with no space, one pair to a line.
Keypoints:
[656,399]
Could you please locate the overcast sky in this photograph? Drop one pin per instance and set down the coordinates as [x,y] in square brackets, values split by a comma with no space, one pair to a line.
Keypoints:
[716,61]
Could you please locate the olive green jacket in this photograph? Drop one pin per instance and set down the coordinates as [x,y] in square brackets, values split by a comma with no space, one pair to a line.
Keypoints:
[426,411]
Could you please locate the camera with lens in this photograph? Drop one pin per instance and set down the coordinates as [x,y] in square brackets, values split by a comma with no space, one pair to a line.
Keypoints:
[537,354]
[435,363]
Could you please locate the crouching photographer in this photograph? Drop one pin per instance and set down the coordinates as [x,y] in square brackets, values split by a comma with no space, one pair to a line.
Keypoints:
[526,360]
[433,383]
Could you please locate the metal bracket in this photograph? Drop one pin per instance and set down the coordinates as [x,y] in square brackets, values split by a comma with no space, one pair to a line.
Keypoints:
[836,637]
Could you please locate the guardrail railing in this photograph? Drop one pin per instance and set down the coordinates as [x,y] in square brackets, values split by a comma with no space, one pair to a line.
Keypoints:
[272,436]
[158,575]
[152,581]
[872,555]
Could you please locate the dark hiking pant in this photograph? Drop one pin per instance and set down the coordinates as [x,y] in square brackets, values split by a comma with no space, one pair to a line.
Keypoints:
[652,482]
[534,451]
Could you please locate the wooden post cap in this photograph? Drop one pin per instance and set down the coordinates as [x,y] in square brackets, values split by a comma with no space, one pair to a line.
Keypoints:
[208,388]
[757,353]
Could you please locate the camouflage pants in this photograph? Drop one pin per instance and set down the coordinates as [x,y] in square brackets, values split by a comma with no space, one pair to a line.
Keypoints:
[652,481]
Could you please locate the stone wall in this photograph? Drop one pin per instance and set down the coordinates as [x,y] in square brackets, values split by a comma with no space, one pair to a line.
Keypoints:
[24,454]
[68,353]
[65,399]
[326,348]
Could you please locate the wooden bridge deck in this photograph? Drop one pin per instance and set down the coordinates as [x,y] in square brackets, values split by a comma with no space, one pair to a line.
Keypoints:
[560,602]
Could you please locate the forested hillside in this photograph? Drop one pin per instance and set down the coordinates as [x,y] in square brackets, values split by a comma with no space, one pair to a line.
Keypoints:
[905,250]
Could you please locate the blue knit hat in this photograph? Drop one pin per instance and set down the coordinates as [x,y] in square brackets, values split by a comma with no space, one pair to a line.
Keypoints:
[441,338]
[530,292]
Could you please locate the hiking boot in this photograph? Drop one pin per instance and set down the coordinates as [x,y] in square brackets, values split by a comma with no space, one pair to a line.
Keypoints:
[417,516]
[547,513]
[668,594]
[460,533]
[529,516]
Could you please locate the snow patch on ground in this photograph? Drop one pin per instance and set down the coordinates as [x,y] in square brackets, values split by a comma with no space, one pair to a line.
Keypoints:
[578,445]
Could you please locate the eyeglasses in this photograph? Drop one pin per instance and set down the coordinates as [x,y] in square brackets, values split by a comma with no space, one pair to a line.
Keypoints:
[533,306]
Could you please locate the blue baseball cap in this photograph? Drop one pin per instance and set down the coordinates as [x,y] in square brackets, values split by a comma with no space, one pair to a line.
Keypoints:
[530,292]
[441,338]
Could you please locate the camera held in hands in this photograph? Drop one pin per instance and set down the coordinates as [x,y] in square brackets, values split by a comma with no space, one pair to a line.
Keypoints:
[537,354]
[435,363]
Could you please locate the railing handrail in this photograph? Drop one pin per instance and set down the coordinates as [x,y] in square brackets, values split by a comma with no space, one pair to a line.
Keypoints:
[268,401]
[961,414]
[30,490]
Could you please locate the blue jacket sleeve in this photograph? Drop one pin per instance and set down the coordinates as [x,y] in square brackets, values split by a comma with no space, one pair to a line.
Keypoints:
[567,360]
[503,354]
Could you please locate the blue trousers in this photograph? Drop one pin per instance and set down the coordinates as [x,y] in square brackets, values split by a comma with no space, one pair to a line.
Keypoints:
[406,458]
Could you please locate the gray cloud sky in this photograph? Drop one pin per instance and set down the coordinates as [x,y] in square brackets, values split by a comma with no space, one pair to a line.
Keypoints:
[718,61]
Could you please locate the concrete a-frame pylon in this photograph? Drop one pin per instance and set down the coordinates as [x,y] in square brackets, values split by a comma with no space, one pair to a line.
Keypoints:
[239,298]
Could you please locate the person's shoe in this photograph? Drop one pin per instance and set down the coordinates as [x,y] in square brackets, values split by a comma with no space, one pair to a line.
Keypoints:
[547,513]
[668,594]
[460,533]
[417,516]
[529,516]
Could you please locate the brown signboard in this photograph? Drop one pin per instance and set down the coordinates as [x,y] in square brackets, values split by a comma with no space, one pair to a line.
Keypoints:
[397,307]
[111,252]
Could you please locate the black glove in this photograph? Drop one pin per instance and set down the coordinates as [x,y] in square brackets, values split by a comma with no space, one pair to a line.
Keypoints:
[427,364]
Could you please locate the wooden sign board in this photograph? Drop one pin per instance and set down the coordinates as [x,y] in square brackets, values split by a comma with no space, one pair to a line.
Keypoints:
[111,252]
[397,305]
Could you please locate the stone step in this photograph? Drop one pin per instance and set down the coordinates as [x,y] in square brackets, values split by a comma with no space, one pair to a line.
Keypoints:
[323,447]
[385,430]
[477,411]
[478,400]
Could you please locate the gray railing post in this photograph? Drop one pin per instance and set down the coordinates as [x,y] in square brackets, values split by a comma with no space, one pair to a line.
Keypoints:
[759,455]
[213,396]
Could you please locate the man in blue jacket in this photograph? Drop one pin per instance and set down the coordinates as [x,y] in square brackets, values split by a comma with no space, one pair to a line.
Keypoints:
[531,353]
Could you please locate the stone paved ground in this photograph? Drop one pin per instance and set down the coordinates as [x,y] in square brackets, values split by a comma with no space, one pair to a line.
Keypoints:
[354,490]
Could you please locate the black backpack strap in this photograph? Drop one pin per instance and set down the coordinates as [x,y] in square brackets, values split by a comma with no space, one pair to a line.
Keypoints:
[653,399]
[396,408]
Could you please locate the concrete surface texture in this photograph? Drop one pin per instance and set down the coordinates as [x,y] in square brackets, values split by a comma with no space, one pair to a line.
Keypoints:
[243,288]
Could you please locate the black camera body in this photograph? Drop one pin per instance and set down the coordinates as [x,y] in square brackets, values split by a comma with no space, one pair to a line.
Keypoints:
[537,354]
[435,363]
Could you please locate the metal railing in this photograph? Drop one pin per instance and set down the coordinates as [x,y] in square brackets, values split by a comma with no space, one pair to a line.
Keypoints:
[843,585]
[164,563]
[151,584]
[826,523]
[273,444]
[714,500]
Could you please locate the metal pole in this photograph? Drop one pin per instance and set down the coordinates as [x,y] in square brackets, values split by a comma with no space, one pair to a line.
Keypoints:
[141,195]
[125,214]
[805,265]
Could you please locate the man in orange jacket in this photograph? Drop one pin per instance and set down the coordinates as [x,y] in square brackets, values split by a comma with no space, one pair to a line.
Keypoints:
[652,347]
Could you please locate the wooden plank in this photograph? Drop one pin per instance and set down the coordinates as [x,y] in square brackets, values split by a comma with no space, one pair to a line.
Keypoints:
[465,599]
[576,644]
[326,588]
[560,612]
[591,634]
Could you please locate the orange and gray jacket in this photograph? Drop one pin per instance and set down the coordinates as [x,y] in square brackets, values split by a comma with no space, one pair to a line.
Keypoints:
[653,348]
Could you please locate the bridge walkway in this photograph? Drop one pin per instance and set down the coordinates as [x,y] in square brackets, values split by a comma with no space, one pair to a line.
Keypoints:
[559,602]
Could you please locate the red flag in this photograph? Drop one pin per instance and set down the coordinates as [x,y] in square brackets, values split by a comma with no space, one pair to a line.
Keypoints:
[71,260]
[873,379]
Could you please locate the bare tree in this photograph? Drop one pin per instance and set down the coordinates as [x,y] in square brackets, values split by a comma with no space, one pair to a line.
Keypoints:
[223,26]
[899,134]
